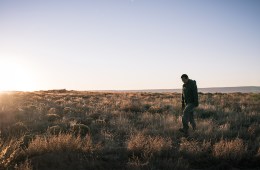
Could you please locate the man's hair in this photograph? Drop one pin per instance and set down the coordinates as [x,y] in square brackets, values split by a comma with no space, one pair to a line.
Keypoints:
[184,76]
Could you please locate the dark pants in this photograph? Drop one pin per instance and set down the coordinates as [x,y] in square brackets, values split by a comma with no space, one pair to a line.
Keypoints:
[188,117]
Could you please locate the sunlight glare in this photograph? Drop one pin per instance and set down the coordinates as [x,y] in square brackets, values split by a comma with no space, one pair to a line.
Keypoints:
[15,77]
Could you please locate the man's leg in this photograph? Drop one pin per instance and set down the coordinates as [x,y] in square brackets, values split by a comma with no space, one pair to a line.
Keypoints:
[192,121]
[186,117]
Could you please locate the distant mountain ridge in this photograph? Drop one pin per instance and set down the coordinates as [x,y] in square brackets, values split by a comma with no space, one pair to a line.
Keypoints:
[241,89]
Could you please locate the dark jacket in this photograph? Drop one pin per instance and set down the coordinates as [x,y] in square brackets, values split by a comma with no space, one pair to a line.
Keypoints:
[190,93]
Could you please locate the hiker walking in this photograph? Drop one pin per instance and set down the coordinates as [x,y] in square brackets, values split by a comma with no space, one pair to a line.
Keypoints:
[189,102]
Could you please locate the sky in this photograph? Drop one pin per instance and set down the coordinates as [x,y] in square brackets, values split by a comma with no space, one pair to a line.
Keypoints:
[128,44]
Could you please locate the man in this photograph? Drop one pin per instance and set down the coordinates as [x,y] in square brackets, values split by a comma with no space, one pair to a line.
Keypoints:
[189,102]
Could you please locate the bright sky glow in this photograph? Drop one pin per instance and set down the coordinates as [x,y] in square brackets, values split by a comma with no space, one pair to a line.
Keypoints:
[128,44]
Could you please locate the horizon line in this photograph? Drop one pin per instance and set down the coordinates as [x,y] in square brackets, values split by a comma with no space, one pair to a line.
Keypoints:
[57,89]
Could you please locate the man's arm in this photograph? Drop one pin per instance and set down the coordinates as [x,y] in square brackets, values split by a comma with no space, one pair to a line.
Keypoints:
[195,94]
[182,98]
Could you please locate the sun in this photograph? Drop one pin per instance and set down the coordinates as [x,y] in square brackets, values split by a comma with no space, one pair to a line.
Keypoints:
[15,76]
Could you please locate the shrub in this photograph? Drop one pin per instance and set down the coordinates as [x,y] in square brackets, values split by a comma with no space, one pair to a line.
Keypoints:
[58,143]
[233,150]
[156,109]
[67,110]
[133,105]
[52,117]
[52,111]
[80,129]
[54,130]
[194,148]
[18,128]
[148,144]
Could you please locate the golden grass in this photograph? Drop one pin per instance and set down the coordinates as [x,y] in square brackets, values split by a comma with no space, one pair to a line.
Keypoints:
[194,147]
[145,143]
[92,130]
[58,143]
[230,150]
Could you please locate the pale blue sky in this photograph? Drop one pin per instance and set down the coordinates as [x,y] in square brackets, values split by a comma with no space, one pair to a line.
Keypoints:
[128,44]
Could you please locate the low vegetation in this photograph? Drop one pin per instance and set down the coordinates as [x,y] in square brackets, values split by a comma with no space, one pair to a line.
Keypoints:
[96,130]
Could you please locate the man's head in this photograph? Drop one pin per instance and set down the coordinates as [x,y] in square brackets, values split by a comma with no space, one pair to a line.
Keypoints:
[184,78]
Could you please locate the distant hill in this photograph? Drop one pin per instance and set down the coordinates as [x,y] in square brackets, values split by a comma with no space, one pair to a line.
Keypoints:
[242,89]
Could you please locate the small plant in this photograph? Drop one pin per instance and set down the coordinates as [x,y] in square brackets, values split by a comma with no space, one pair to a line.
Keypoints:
[58,143]
[55,130]
[233,150]
[52,117]
[80,129]
[194,148]
[52,111]
[148,144]
[18,128]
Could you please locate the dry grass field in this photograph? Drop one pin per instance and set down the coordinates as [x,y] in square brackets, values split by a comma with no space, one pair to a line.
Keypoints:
[97,130]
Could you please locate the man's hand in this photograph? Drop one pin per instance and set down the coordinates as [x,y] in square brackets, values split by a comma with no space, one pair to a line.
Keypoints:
[183,107]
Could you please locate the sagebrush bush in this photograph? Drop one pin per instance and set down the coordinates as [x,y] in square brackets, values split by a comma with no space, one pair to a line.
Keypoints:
[148,144]
[230,149]
[58,143]
[52,117]
[18,128]
[80,130]
[55,130]
[194,148]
